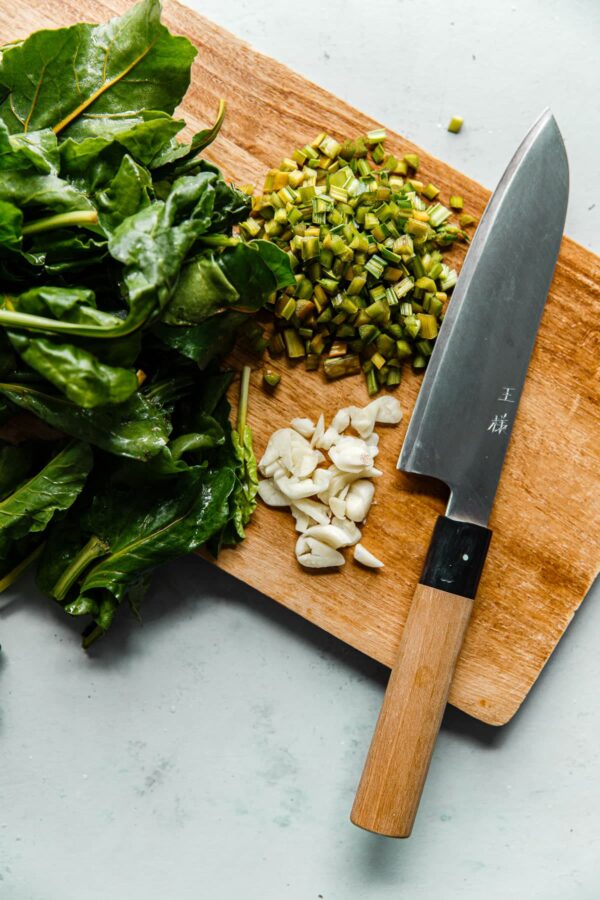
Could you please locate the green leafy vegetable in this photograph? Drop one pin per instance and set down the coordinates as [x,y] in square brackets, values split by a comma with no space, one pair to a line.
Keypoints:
[122,285]
[30,508]
[137,428]
[81,80]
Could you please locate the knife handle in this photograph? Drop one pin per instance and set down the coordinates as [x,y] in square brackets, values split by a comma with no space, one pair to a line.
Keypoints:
[396,767]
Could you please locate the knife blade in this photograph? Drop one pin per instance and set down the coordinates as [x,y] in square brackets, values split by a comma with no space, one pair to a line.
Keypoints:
[459,433]
[464,414]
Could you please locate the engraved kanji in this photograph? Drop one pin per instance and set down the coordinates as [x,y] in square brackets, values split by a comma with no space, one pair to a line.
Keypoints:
[507,395]
[499,424]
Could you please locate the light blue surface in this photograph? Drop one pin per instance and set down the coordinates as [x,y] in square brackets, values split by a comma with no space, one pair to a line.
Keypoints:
[214,753]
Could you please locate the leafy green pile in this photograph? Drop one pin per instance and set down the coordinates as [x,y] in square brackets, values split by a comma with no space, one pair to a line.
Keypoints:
[120,286]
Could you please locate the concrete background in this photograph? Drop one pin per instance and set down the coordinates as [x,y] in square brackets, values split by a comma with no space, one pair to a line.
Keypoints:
[214,752]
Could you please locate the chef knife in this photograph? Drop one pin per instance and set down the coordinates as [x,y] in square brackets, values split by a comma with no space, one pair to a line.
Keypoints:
[459,433]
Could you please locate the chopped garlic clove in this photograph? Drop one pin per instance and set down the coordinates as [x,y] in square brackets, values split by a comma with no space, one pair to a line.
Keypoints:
[351,530]
[319,431]
[388,410]
[338,483]
[332,535]
[362,556]
[302,520]
[338,507]
[294,448]
[305,427]
[322,479]
[277,445]
[294,488]
[313,554]
[341,420]
[270,493]
[315,510]
[273,469]
[305,462]
[359,499]
[363,420]
[329,438]
[351,454]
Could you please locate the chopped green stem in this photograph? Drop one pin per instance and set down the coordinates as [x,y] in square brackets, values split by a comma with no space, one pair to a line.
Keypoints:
[62,220]
[271,379]
[94,548]
[364,237]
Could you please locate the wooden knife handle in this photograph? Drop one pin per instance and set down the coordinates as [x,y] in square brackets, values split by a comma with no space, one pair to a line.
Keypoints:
[394,774]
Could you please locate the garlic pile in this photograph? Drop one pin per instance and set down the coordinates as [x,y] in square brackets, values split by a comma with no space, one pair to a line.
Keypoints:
[323,476]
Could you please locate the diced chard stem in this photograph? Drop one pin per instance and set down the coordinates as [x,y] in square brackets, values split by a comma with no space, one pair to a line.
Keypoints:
[363,244]
[340,366]
[271,379]
[455,124]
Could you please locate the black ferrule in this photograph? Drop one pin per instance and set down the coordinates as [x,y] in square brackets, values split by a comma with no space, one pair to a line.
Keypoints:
[456,556]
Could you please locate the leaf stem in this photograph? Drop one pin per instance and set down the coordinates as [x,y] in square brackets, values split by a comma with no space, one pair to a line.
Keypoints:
[12,576]
[10,318]
[219,240]
[90,635]
[92,550]
[62,220]
[243,404]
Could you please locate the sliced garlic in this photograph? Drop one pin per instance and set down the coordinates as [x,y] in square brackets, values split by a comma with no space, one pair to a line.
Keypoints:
[341,420]
[305,427]
[305,462]
[302,519]
[277,445]
[363,420]
[365,558]
[351,454]
[337,507]
[270,493]
[326,503]
[322,479]
[314,554]
[329,438]
[295,488]
[319,431]
[315,510]
[332,535]
[388,410]
[359,499]
[273,469]
[351,530]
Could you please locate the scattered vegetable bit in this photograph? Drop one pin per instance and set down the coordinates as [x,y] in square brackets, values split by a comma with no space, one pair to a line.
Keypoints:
[271,379]
[456,202]
[455,124]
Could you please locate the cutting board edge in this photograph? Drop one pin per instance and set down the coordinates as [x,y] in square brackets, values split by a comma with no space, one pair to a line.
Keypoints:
[499,714]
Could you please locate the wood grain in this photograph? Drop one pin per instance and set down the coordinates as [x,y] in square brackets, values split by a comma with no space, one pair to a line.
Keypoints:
[392,781]
[544,556]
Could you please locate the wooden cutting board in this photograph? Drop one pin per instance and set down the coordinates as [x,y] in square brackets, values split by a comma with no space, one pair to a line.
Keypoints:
[543,555]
